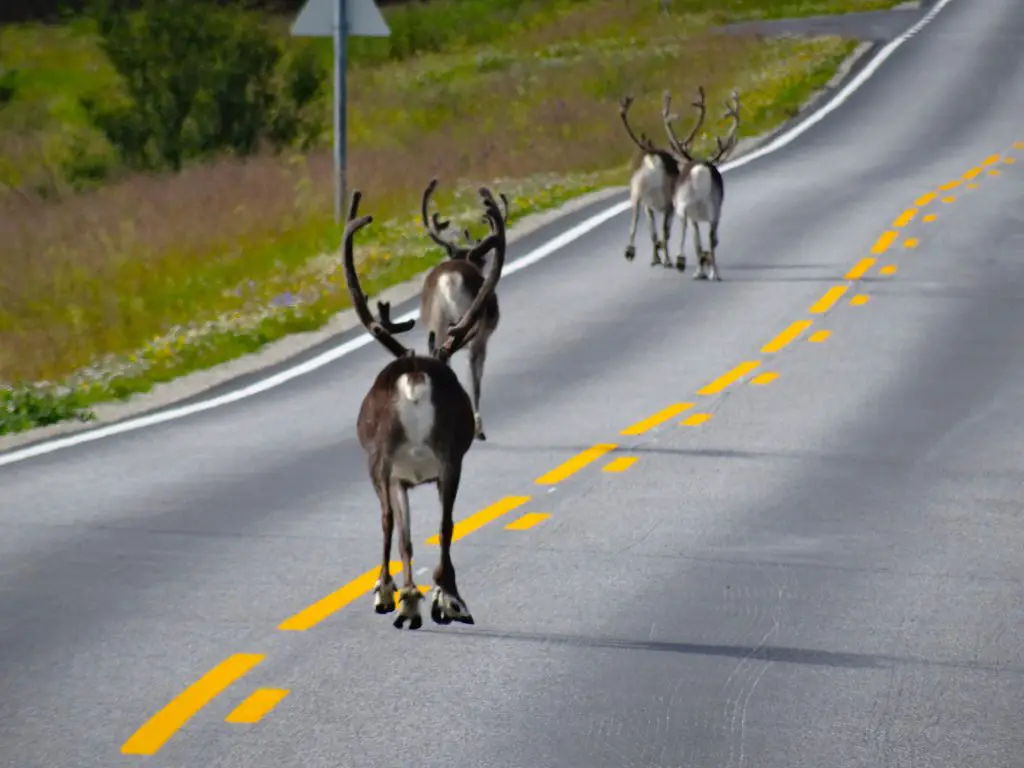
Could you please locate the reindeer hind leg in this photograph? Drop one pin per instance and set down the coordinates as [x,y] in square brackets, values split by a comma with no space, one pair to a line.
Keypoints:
[655,243]
[477,358]
[409,595]
[634,220]
[666,231]
[384,589]
[447,605]
[699,271]
[714,245]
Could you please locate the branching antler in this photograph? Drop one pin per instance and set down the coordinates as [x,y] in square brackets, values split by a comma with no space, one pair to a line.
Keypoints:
[643,142]
[382,328]
[732,110]
[435,225]
[682,147]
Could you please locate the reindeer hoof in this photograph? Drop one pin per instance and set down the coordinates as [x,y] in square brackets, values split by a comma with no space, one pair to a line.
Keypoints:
[681,263]
[699,275]
[630,253]
[479,427]
[655,261]
[445,608]
[409,608]
[384,599]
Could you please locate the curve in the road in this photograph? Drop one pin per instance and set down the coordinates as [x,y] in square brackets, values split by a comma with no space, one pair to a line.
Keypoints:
[782,140]
[152,735]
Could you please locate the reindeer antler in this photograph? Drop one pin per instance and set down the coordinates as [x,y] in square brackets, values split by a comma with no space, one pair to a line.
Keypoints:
[732,110]
[381,329]
[643,142]
[435,225]
[682,147]
[458,335]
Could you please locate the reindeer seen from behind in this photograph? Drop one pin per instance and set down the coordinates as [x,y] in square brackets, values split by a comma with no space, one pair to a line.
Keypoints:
[700,188]
[651,187]
[448,291]
[416,424]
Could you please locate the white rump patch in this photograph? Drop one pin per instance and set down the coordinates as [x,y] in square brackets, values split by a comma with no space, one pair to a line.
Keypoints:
[415,462]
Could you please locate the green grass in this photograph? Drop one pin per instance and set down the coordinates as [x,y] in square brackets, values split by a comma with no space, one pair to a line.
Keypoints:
[103,295]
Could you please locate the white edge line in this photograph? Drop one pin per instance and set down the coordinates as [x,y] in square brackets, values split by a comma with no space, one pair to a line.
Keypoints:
[555,244]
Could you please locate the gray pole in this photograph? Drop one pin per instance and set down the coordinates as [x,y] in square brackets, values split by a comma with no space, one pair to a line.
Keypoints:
[340,116]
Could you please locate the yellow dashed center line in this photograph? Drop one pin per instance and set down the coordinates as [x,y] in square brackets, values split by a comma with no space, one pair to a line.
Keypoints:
[859,300]
[312,615]
[787,336]
[924,199]
[886,239]
[991,160]
[994,172]
[527,521]
[765,378]
[165,723]
[731,377]
[911,242]
[860,268]
[1018,145]
[905,218]
[888,269]
[930,218]
[619,464]
[575,464]
[478,520]
[972,174]
[819,336]
[659,418]
[695,420]
[950,185]
[825,303]
[1010,160]
[257,706]
[949,199]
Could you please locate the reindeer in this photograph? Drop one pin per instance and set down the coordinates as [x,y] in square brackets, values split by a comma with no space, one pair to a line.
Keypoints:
[415,425]
[450,288]
[700,190]
[651,186]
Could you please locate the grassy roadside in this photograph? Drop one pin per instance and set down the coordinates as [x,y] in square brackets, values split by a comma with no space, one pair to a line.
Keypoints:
[103,295]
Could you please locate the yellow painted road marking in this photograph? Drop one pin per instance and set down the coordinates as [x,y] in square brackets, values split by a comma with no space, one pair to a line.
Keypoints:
[659,418]
[888,269]
[695,420]
[992,159]
[528,520]
[765,378]
[930,217]
[972,174]
[859,300]
[1018,145]
[972,185]
[334,602]
[950,185]
[905,218]
[949,199]
[860,268]
[165,723]
[911,242]
[478,520]
[731,377]
[620,464]
[819,336]
[924,199]
[1010,160]
[575,464]
[787,336]
[257,706]
[824,304]
[884,240]
[994,172]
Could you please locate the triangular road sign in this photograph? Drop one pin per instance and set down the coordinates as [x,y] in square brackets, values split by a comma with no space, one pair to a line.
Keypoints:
[316,19]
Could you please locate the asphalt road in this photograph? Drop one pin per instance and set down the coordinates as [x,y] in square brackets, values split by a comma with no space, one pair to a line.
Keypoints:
[826,572]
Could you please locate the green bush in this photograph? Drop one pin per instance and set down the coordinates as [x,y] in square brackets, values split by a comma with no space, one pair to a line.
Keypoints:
[24,407]
[199,79]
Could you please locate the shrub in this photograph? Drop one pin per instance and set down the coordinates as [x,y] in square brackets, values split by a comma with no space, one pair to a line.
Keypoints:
[199,79]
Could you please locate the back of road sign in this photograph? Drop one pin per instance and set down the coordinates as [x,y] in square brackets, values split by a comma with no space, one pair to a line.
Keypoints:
[363,19]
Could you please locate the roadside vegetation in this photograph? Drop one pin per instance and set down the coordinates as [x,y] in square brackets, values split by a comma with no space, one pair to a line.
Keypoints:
[165,175]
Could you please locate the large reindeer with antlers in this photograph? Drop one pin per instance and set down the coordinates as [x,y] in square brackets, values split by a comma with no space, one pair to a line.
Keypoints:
[416,425]
[700,189]
[449,290]
[651,186]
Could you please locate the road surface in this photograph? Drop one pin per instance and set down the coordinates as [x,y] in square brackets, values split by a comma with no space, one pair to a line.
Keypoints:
[817,564]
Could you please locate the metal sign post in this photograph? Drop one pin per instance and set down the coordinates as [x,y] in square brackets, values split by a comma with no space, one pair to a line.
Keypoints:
[340,19]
